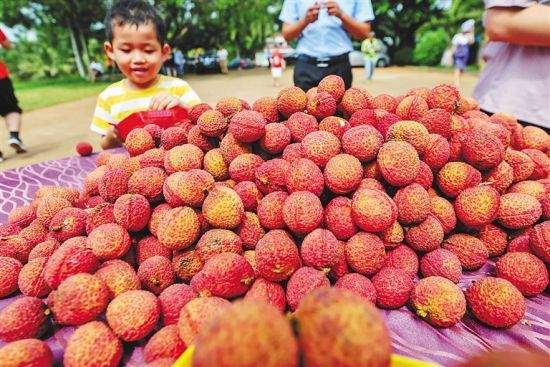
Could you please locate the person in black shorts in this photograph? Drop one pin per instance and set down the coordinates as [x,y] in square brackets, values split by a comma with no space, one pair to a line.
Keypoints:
[324,29]
[9,106]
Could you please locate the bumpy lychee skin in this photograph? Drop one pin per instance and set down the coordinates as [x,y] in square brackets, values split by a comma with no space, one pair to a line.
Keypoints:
[79,299]
[229,106]
[250,231]
[527,272]
[26,317]
[355,99]
[69,259]
[268,292]
[225,275]
[333,85]
[223,208]
[412,132]
[481,149]
[358,284]
[138,141]
[183,158]
[454,177]
[426,236]
[247,126]
[334,125]
[413,204]
[109,241]
[385,102]
[501,177]
[495,302]
[437,152]
[215,165]
[534,188]
[438,121]
[539,242]
[442,263]
[49,206]
[362,142]
[22,215]
[212,123]
[118,276]
[243,167]
[438,301]
[443,96]
[93,344]
[150,246]
[203,142]
[321,105]
[187,188]
[9,271]
[148,182]
[471,252]
[412,108]
[343,173]
[173,136]
[230,334]
[26,352]
[541,161]
[300,124]
[271,175]
[477,206]
[196,313]
[197,110]
[320,249]
[133,315]
[67,223]
[402,257]
[277,256]
[132,212]
[398,162]
[320,146]
[365,253]
[518,210]
[165,343]
[186,264]
[494,238]
[302,212]
[179,228]
[522,165]
[267,106]
[31,280]
[338,218]
[443,210]
[156,274]
[291,100]
[393,287]
[304,175]
[373,210]
[216,241]
[363,117]
[276,138]
[302,282]
[270,210]
[172,300]
[360,336]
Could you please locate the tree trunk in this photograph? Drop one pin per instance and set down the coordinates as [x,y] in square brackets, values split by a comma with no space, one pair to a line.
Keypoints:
[84,48]
[76,53]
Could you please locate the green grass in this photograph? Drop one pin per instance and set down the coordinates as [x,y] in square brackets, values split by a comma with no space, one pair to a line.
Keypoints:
[37,94]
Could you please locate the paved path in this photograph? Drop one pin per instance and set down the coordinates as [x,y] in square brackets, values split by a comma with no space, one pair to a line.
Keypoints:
[52,132]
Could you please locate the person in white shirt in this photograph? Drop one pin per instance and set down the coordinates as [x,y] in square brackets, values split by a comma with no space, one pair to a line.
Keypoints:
[96,70]
[461,48]
[222,60]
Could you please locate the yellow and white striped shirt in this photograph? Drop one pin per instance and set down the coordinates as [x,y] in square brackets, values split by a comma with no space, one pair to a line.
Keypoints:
[118,101]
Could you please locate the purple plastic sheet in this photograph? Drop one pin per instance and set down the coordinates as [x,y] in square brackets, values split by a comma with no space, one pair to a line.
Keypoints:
[411,336]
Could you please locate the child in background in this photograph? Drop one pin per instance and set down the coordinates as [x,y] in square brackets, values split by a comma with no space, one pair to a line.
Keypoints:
[277,63]
[136,42]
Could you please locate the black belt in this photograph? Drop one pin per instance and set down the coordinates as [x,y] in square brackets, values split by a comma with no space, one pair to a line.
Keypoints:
[323,62]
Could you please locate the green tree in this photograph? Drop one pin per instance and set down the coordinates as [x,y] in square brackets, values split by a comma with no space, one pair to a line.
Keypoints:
[430,47]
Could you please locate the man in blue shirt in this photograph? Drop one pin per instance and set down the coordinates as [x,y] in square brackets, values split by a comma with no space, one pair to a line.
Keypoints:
[323,29]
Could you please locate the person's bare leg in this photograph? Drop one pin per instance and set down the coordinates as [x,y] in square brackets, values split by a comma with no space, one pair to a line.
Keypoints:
[457,78]
[13,124]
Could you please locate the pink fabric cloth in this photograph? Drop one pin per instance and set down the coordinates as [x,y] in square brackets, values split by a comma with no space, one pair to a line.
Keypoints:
[410,336]
[516,79]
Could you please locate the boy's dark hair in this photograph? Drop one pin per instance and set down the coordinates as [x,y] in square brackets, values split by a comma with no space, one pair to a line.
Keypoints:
[134,12]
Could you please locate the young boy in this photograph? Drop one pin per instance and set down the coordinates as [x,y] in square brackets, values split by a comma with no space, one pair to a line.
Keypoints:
[136,42]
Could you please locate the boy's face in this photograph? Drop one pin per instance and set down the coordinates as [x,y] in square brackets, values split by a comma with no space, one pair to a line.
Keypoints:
[137,52]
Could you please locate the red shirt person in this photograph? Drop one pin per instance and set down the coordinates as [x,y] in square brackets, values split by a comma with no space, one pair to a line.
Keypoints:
[9,106]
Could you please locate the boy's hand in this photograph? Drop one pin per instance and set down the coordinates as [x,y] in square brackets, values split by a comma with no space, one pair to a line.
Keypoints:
[111,139]
[164,101]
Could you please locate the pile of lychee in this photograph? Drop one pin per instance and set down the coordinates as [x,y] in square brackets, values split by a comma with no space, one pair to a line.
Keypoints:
[389,197]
